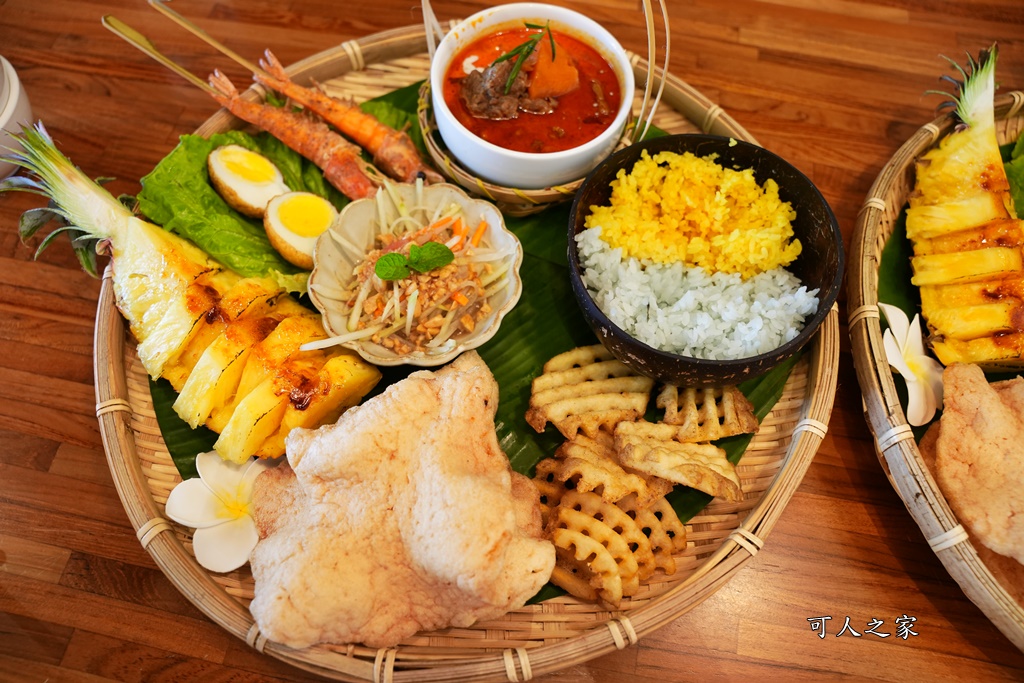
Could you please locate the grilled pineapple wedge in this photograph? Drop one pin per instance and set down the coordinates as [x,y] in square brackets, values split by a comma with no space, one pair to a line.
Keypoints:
[229,345]
[966,236]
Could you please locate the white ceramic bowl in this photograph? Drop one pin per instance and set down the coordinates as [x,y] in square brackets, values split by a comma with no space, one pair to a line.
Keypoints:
[347,242]
[15,110]
[523,169]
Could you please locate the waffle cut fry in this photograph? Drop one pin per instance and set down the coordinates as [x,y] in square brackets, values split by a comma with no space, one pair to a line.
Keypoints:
[662,527]
[568,527]
[587,531]
[585,569]
[586,389]
[706,414]
[550,486]
[593,465]
[703,466]
[620,522]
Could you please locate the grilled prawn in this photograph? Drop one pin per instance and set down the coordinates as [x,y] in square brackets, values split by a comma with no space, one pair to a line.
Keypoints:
[339,159]
[228,344]
[393,151]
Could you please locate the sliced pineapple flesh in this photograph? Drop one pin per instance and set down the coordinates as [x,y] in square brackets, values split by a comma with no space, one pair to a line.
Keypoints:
[215,377]
[182,320]
[249,296]
[1001,232]
[968,266]
[256,417]
[152,271]
[966,164]
[339,385]
[973,322]
[1001,352]
[199,325]
[929,221]
[966,236]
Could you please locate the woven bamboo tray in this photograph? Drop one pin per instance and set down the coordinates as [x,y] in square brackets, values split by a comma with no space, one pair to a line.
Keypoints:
[536,639]
[982,577]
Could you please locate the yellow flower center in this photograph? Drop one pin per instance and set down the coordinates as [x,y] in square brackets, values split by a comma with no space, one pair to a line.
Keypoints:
[916,368]
[234,504]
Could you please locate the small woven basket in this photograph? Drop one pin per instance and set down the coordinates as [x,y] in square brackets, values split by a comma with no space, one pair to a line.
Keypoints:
[982,577]
[519,202]
[515,201]
[536,639]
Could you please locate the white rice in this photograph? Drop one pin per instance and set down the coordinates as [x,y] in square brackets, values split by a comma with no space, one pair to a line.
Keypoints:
[689,312]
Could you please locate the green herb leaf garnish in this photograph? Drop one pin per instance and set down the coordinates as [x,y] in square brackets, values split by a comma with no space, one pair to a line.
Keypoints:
[422,259]
[430,256]
[393,266]
[521,52]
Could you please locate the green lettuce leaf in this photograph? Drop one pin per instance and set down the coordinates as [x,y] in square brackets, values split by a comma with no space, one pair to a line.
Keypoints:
[177,194]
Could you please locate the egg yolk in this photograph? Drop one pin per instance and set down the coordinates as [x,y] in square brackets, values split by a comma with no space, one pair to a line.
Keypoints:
[249,165]
[306,215]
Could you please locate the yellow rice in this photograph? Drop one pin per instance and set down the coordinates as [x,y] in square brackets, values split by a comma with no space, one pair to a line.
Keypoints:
[681,207]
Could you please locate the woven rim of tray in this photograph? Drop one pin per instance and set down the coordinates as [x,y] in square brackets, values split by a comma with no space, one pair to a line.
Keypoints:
[894,441]
[528,642]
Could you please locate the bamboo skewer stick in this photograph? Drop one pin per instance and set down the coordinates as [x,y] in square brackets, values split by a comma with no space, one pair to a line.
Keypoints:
[133,37]
[161,6]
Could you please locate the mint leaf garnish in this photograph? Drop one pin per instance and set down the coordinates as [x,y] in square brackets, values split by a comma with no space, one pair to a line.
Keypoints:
[430,256]
[422,259]
[391,266]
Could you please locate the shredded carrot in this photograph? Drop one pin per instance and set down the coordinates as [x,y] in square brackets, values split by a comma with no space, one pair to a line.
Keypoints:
[479,233]
[460,298]
[439,223]
[459,230]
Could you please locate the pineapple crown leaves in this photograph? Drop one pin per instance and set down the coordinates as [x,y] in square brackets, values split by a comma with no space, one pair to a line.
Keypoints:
[54,174]
[974,90]
[84,245]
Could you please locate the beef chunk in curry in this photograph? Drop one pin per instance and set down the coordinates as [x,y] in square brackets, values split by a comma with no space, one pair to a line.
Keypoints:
[485,96]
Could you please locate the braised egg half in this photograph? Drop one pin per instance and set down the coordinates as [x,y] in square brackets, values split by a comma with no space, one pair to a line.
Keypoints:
[294,221]
[246,180]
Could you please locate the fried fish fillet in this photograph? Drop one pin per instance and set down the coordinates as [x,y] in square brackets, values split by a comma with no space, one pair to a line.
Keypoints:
[979,456]
[403,516]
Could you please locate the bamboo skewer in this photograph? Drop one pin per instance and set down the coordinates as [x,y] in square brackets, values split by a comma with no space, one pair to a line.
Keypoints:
[133,37]
[194,29]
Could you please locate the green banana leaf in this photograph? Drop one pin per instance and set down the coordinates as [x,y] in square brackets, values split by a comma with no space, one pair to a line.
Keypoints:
[546,321]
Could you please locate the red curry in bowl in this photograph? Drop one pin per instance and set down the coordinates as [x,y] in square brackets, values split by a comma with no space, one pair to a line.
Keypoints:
[544,112]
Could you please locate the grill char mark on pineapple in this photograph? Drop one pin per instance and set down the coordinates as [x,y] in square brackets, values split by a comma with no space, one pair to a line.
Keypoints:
[199,324]
[966,236]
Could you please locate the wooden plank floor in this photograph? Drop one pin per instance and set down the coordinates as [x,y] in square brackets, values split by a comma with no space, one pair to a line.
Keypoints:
[834,86]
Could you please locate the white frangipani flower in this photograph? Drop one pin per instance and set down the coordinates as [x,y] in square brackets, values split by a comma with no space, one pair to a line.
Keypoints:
[218,505]
[904,349]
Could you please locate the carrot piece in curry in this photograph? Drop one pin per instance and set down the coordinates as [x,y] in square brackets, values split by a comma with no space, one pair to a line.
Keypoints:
[553,77]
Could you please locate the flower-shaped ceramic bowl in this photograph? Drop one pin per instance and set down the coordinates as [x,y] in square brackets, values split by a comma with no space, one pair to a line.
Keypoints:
[346,244]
